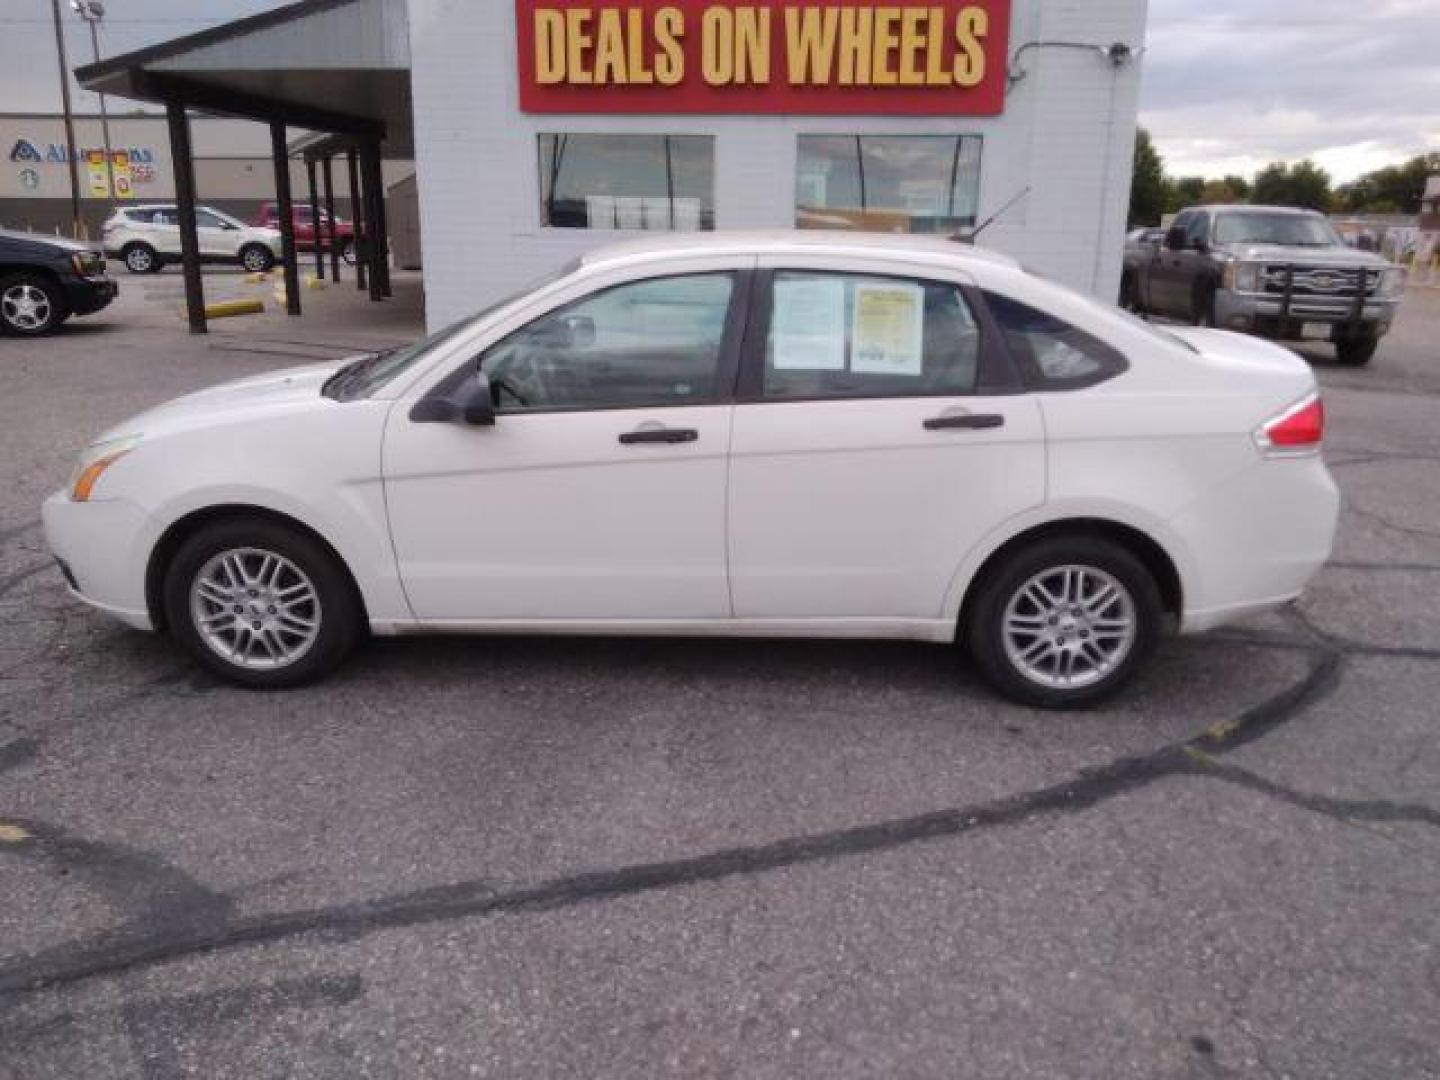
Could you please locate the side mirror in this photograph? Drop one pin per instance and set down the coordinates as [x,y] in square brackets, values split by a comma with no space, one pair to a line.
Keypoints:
[1175,239]
[472,402]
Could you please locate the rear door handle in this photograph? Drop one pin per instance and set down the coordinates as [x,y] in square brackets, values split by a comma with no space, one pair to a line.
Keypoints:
[659,435]
[969,421]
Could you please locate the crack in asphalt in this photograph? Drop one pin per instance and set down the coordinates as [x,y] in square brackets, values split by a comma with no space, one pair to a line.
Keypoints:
[146,941]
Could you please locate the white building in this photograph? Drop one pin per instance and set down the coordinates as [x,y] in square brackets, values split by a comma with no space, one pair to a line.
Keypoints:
[541,128]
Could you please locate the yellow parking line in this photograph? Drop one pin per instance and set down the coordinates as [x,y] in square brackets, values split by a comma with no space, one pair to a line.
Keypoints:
[12,834]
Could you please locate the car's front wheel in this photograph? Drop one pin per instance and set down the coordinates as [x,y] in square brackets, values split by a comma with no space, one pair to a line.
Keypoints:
[1357,351]
[261,604]
[347,252]
[141,259]
[256,258]
[1064,621]
[30,304]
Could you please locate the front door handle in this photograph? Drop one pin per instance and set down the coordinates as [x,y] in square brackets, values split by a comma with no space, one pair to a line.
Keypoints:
[659,435]
[968,421]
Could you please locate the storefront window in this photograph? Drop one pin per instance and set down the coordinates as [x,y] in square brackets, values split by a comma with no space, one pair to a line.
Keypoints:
[887,183]
[656,182]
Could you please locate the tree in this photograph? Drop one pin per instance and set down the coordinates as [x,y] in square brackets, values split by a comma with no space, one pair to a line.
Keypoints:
[1147,183]
[1303,184]
[1393,189]
[1186,191]
[1221,191]
[1239,185]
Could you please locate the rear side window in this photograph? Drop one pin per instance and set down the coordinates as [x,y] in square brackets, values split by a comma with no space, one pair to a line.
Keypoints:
[856,336]
[1053,354]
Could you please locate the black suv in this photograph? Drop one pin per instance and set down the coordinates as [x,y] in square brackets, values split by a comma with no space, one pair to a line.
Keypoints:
[45,279]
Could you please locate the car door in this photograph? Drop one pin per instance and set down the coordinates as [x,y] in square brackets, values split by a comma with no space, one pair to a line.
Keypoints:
[217,236]
[879,436]
[1167,294]
[599,491]
[164,231]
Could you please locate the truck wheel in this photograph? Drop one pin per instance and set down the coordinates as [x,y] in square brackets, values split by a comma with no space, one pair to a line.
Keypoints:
[1202,310]
[347,253]
[1356,352]
[1130,294]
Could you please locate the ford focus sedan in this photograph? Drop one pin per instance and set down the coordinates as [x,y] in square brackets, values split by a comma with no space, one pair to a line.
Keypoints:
[783,435]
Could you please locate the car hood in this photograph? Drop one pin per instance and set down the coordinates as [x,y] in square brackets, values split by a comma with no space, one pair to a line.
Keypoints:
[40,242]
[273,391]
[1306,256]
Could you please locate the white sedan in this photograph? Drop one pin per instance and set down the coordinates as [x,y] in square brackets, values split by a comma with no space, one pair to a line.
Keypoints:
[787,434]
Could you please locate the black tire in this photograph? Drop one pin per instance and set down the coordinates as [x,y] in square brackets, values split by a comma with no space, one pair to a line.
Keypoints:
[347,253]
[141,259]
[1130,294]
[30,305]
[257,258]
[337,604]
[984,630]
[1202,309]
[1356,352]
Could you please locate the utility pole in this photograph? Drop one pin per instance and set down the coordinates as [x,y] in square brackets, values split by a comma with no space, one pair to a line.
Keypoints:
[92,11]
[77,223]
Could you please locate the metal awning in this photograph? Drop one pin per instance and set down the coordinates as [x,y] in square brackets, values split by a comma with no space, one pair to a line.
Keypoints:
[339,66]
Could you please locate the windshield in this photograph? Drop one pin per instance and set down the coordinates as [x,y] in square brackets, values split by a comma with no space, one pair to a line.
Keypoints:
[361,378]
[1289,230]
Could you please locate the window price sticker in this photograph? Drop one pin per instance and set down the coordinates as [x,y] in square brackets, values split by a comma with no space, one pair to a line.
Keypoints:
[887,330]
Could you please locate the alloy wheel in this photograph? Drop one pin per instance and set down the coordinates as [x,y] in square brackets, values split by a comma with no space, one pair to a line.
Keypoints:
[255,608]
[254,260]
[138,260]
[1068,627]
[26,307]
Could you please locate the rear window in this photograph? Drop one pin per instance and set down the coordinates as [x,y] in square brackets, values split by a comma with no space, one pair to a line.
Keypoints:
[1052,353]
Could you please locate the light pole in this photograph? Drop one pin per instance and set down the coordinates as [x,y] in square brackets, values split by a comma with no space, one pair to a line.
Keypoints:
[92,11]
[76,223]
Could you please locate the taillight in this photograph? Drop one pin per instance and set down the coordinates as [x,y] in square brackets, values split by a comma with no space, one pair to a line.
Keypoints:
[1299,429]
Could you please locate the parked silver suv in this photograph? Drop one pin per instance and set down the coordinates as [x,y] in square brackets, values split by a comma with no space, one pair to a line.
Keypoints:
[147,237]
[1267,270]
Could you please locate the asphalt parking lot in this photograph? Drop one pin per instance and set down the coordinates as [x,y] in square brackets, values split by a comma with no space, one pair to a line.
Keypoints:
[585,858]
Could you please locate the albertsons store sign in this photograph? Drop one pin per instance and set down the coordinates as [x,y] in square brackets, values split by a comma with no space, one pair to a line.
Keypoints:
[29,152]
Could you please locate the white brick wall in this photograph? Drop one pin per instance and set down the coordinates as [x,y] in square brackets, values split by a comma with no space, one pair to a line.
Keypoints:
[1067,131]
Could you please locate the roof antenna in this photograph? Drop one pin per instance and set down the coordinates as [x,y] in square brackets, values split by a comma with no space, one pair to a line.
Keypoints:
[967,236]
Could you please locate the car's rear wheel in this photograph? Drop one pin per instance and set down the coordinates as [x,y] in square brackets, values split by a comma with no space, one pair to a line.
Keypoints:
[1130,293]
[347,252]
[1065,621]
[1356,352]
[256,258]
[261,604]
[140,259]
[30,304]
[1202,311]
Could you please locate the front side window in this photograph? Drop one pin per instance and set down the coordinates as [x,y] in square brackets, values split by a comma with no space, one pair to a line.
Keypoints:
[647,343]
[856,336]
[1053,354]
[660,183]
[1198,230]
[887,183]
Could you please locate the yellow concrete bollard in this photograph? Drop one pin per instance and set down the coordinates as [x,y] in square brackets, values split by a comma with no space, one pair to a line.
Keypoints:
[313,282]
[223,309]
[257,278]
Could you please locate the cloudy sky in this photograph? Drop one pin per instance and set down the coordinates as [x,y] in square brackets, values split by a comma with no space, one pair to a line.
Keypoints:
[1229,85]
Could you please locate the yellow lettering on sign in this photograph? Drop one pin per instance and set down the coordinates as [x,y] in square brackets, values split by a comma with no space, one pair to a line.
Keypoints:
[637,69]
[670,61]
[886,40]
[971,26]
[717,46]
[810,44]
[609,48]
[936,73]
[577,44]
[549,46]
[752,45]
[912,20]
[855,29]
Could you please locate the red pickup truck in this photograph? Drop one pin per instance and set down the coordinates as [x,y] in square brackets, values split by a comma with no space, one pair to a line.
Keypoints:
[342,230]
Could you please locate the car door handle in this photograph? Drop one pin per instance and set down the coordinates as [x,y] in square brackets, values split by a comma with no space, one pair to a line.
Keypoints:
[968,421]
[659,435]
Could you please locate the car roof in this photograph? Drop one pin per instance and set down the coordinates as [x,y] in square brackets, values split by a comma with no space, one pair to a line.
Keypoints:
[795,242]
[1231,208]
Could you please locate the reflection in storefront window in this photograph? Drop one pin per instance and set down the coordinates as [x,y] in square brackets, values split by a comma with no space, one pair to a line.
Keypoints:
[887,183]
[656,182]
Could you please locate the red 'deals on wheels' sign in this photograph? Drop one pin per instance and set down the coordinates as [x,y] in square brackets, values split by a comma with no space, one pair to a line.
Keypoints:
[770,56]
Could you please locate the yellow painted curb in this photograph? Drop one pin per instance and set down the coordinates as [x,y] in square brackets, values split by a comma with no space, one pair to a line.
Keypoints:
[12,834]
[225,308]
[313,282]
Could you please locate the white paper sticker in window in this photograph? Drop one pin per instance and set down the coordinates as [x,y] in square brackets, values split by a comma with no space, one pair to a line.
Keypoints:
[808,325]
[887,334]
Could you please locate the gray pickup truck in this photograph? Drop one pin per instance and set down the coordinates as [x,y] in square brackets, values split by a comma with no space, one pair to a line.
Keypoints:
[1267,270]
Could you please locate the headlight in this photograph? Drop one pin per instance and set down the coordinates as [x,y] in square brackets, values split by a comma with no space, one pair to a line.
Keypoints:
[1392,282]
[1242,277]
[87,264]
[93,463]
